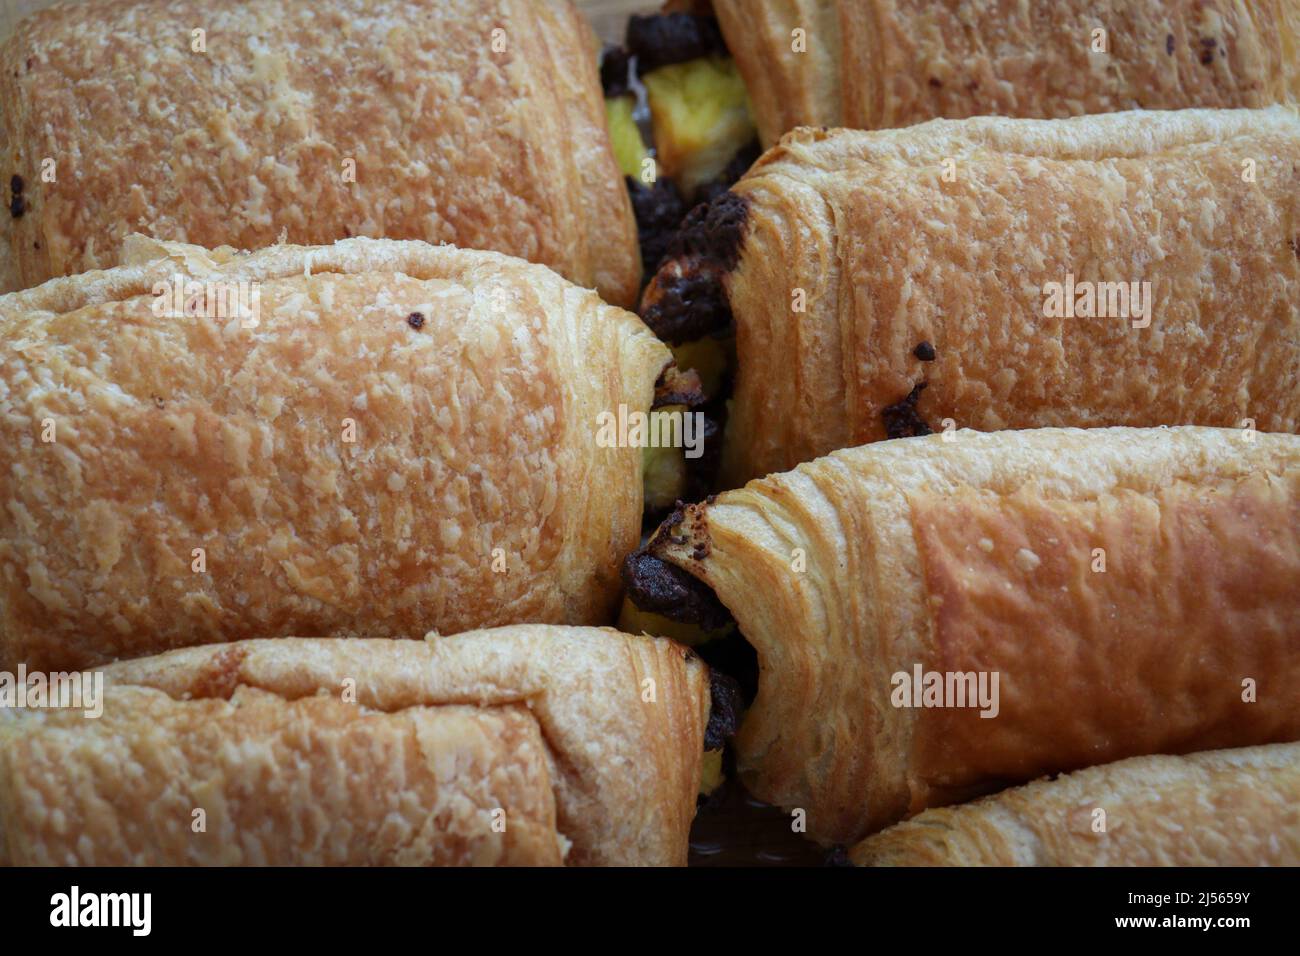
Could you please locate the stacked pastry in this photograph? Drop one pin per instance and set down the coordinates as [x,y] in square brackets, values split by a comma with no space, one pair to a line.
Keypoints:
[701,94]
[394,441]
[246,485]
[333,524]
[936,620]
[1113,573]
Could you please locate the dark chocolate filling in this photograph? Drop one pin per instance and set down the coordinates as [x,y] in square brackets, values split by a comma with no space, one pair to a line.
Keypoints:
[1207,50]
[676,387]
[690,305]
[714,230]
[615,71]
[659,587]
[902,419]
[724,714]
[659,209]
[662,39]
[655,585]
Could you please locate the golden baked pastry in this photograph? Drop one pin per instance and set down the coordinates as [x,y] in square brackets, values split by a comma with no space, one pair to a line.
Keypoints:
[875,64]
[477,122]
[1224,808]
[405,440]
[1098,594]
[521,745]
[1127,269]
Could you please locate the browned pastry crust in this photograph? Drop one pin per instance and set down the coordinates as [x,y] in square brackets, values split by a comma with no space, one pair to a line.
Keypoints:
[245,144]
[863,231]
[1224,808]
[369,752]
[979,554]
[474,492]
[876,64]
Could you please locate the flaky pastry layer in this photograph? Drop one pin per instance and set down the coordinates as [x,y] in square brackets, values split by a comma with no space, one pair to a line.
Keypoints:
[863,250]
[406,439]
[1134,591]
[474,122]
[521,745]
[1236,807]
[877,64]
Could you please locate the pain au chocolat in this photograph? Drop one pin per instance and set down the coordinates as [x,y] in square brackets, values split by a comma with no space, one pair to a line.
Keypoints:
[527,745]
[1118,591]
[398,438]
[1131,269]
[1222,808]
[877,64]
[478,123]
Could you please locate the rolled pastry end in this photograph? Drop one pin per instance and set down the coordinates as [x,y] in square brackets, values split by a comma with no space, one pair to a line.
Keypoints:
[669,580]
[664,600]
[659,587]
[675,580]
[724,711]
[668,589]
[1219,808]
